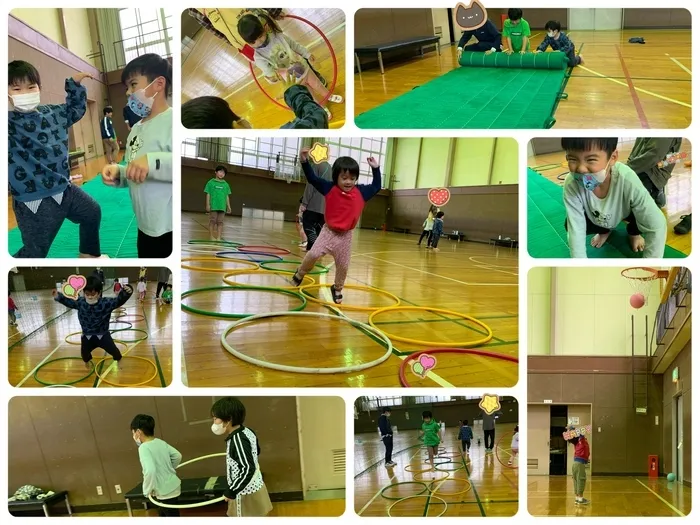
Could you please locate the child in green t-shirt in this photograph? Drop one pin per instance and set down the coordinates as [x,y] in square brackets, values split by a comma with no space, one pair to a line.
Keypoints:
[168,295]
[516,32]
[431,436]
[218,202]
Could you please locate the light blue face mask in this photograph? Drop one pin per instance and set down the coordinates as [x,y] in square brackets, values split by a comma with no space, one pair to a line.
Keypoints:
[591,181]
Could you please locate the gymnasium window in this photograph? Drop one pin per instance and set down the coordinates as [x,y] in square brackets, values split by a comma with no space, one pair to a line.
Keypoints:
[145,31]
[359,148]
[376,403]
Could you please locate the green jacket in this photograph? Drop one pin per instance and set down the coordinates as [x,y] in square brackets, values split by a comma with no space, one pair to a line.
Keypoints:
[647,152]
[431,433]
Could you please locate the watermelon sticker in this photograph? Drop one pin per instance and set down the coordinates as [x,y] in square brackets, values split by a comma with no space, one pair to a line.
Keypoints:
[439,196]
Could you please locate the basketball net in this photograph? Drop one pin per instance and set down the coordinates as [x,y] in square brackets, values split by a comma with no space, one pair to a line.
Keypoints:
[640,280]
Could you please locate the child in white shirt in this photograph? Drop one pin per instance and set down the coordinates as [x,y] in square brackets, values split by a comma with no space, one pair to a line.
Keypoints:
[141,288]
[514,447]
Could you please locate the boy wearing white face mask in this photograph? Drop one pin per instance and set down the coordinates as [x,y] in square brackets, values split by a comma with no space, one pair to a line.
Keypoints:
[148,173]
[94,313]
[38,167]
[246,494]
[600,192]
[559,41]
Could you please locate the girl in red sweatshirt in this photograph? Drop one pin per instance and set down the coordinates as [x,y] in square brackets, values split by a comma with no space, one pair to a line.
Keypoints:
[345,200]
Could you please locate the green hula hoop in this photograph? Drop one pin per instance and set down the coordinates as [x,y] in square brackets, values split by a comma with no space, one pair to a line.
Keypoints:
[192,310]
[67,383]
[444,462]
[461,466]
[266,265]
[425,489]
[222,243]
[130,330]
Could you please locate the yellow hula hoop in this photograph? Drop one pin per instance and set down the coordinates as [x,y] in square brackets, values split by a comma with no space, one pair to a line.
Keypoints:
[127,385]
[344,306]
[438,493]
[229,271]
[408,468]
[429,496]
[417,476]
[231,282]
[464,344]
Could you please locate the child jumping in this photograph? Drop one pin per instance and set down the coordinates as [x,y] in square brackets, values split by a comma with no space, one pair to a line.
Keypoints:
[559,41]
[38,170]
[601,192]
[345,200]
[149,171]
[582,455]
[278,56]
[94,312]
[465,436]
[246,493]
[218,202]
[141,289]
[430,432]
[158,463]
[514,447]
[437,231]
[12,309]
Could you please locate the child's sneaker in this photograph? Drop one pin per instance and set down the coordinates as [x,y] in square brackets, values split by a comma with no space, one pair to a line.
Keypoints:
[302,244]
[88,364]
[582,501]
[330,115]
[296,280]
[684,226]
[337,296]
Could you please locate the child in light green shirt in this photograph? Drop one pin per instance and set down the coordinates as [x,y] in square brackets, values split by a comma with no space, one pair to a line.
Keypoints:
[218,202]
[516,32]
[430,432]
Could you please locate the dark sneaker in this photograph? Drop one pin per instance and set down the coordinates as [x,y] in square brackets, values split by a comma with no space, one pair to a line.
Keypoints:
[337,296]
[582,501]
[683,227]
[296,280]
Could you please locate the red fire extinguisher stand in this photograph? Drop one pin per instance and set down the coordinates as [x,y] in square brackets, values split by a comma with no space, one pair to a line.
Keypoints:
[653,466]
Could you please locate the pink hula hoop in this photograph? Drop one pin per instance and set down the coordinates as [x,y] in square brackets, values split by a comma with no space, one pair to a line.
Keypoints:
[335,65]
[512,467]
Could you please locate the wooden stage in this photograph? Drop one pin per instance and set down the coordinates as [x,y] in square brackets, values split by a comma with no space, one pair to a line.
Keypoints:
[44,325]
[609,496]
[494,491]
[620,86]
[471,278]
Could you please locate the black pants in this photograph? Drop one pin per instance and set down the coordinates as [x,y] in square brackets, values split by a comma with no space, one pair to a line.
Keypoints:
[489,437]
[389,446]
[428,233]
[154,247]
[434,240]
[161,286]
[105,342]
[481,47]
[466,444]
[312,222]
[164,512]
[658,194]
[592,228]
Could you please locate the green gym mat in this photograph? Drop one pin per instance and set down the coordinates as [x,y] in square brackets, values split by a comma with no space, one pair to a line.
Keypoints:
[118,230]
[546,235]
[495,91]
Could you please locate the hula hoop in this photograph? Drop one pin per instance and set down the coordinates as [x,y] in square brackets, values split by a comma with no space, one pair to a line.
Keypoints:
[304,370]
[454,455]
[429,496]
[213,270]
[461,466]
[143,318]
[120,322]
[231,282]
[126,385]
[499,459]
[59,386]
[335,65]
[446,475]
[477,342]
[221,243]
[211,251]
[449,460]
[225,255]
[67,383]
[265,266]
[192,310]
[425,489]
[469,487]
[416,355]
[124,341]
[253,249]
[344,306]
[190,505]
[409,468]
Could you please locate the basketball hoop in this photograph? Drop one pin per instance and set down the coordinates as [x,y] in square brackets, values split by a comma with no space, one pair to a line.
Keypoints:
[640,280]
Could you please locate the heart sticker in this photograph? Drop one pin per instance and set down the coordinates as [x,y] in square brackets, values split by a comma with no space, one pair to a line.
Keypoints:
[423,365]
[73,286]
[439,196]
[427,361]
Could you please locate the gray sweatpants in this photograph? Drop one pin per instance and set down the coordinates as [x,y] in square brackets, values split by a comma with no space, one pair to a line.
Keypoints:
[578,471]
[40,229]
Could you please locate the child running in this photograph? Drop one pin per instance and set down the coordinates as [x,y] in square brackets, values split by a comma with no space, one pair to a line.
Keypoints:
[38,169]
[428,226]
[149,171]
[559,41]
[12,309]
[465,436]
[158,463]
[141,289]
[94,312]
[437,231]
[514,447]
[278,56]
[345,200]
[430,433]
[246,493]
[601,192]
[582,455]
[218,202]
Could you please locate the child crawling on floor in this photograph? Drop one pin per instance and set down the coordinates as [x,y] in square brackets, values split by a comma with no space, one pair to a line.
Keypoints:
[94,313]
[559,41]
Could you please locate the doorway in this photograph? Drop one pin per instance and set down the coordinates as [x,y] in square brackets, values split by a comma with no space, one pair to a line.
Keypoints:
[678,437]
[595,19]
[558,420]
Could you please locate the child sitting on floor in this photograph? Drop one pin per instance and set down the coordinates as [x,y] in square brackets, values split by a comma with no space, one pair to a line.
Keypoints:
[600,192]
[559,41]
[345,200]
[94,313]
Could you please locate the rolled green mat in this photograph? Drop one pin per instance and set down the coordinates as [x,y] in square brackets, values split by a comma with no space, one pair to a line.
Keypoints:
[552,60]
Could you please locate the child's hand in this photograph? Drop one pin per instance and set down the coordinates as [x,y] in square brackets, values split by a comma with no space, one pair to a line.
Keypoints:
[110,174]
[208,209]
[54,292]
[128,288]
[304,154]
[372,162]
[79,77]
[137,170]
[228,210]
[522,51]
[537,51]
[508,51]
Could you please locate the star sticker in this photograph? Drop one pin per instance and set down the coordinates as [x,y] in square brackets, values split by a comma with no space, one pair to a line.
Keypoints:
[319,153]
[489,403]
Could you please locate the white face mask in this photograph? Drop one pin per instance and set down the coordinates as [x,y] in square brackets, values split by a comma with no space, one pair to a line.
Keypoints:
[218,429]
[26,102]
[550,34]
[138,441]
[92,300]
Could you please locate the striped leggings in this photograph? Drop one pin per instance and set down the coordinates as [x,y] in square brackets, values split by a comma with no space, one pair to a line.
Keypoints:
[336,244]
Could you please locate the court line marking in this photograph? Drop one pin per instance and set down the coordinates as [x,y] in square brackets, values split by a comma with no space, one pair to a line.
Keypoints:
[674,509]
[678,63]
[633,91]
[30,374]
[646,92]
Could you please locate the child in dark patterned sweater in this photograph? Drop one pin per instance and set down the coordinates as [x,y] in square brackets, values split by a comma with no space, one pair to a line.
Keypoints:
[94,312]
[558,41]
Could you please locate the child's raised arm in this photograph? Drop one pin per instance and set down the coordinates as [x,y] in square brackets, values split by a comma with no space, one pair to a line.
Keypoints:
[76,98]
[576,220]
[121,299]
[60,298]
[370,190]
[322,185]
[650,221]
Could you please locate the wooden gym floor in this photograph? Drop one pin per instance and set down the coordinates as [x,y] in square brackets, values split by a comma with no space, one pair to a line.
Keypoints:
[621,85]
[494,490]
[44,325]
[470,278]
[609,496]
[215,68]
[678,189]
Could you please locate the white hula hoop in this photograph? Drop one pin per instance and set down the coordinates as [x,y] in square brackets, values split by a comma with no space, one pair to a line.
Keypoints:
[60,386]
[190,505]
[301,369]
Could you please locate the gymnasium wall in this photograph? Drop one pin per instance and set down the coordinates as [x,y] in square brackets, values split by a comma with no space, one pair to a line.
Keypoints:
[46,278]
[665,18]
[619,450]
[670,389]
[448,412]
[537,18]
[256,188]
[77,443]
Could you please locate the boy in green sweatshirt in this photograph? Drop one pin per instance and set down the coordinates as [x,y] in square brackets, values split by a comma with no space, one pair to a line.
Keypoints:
[430,432]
